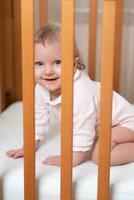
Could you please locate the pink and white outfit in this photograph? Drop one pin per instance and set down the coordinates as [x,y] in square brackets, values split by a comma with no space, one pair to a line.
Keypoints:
[85,112]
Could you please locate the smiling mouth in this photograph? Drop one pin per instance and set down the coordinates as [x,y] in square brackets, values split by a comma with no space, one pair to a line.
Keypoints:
[53,79]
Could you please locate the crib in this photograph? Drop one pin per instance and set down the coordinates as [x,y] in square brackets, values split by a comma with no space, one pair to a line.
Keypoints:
[83,182]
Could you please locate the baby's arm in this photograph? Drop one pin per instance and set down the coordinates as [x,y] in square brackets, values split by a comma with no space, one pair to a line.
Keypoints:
[78,158]
[18,153]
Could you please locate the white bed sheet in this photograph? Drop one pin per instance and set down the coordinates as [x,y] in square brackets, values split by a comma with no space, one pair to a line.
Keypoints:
[48,177]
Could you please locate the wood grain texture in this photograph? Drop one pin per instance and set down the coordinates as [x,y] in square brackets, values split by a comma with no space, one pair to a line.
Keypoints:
[93,16]
[27,27]
[43,12]
[67,98]
[107,66]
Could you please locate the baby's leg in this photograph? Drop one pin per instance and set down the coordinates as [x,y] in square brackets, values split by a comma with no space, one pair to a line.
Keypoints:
[122,146]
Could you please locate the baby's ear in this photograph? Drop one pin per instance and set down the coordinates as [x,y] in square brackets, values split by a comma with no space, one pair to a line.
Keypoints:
[76,63]
[75,68]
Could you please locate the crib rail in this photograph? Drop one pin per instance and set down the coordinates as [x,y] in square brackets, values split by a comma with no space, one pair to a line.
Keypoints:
[43,12]
[1,62]
[93,21]
[118,44]
[107,67]
[93,16]
[6,57]
[27,25]
[67,98]
[109,30]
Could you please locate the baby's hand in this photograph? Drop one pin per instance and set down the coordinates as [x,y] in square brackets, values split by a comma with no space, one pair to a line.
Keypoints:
[78,158]
[18,153]
[15,153]
[52,160]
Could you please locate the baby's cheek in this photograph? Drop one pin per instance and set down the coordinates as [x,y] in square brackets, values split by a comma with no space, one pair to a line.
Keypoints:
[37,75]
[58,71]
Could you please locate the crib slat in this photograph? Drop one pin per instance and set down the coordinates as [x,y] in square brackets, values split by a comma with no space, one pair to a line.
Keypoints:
[28,97]
[67,97]
[17,51]
[1,60]
[6,48]
[107,65]
[43,5]
[93,14]
[118,44]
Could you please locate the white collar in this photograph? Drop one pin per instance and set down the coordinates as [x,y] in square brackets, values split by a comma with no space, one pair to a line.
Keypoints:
[76,74]
[46,93]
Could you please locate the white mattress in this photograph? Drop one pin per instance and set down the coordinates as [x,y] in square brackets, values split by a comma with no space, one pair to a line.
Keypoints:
[48,177]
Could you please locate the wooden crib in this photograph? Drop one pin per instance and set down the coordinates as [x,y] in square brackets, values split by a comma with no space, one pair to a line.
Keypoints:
[111,49]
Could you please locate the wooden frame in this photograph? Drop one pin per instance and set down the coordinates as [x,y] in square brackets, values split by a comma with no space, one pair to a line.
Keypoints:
[1,60]
[111,14]
[17,54]
[118,44]
[67,98]
[107,68]
[93,16]
[43,5]
[28,97]
[10,52]
[6,63]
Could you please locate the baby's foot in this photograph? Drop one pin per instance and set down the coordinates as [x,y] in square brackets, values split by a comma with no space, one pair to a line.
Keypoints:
[15,153]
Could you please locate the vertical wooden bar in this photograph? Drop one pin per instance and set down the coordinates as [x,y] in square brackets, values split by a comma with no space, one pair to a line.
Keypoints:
[1,59]
[10,53]
[7,55]
[67,39]
[17,56]
[27,27]
[7,52]
[93,14]
[43,5]
[118,44]
[107,66]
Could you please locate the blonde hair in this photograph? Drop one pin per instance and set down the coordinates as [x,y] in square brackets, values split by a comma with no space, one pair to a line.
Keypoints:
[50,33]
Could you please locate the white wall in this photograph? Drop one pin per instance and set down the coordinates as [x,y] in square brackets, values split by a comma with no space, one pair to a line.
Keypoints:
[127,73]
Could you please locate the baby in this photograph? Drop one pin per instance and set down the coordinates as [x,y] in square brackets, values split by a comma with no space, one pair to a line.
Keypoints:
[48,66]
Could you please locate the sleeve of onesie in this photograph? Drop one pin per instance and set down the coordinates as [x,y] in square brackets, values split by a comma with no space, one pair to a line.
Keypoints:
[84,123]
[41,115]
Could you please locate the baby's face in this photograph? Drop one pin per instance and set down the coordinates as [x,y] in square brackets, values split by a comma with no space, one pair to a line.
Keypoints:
[48,65]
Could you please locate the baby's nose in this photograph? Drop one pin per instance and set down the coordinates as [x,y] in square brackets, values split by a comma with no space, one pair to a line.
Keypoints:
[49,70]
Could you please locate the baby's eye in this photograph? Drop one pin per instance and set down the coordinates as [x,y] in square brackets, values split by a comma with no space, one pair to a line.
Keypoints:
[57,62]
[38,64]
